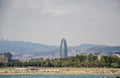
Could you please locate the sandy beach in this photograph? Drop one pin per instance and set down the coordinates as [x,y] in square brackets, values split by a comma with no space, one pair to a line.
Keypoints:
[59,70]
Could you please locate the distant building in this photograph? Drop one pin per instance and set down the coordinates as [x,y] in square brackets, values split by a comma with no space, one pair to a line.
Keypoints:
[63,49]
[15,60]
[99,57]
[118,55]
[3,59]
[34,60]
[95,54]
[8,55]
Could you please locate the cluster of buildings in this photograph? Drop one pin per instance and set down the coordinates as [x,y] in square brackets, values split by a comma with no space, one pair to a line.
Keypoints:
[63,53]
[5,57]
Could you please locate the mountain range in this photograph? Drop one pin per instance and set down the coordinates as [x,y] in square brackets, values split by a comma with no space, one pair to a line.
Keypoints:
[22,48]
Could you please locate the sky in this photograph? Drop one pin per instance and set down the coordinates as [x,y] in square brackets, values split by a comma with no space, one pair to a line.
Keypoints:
[48,21]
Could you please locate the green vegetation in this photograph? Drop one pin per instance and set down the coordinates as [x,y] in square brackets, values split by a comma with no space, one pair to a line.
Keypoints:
[78,61]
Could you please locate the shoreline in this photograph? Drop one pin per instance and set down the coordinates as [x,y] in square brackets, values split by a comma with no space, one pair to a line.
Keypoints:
[55,70]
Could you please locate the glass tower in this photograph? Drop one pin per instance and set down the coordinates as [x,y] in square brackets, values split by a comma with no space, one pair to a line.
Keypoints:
[63,49]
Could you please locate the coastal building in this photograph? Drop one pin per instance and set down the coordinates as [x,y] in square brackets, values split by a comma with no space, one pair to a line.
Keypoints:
[99,56]
[3,59]
[63,49]
[8,55]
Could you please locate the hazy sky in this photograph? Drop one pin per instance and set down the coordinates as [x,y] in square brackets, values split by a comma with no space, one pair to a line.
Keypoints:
[48,21]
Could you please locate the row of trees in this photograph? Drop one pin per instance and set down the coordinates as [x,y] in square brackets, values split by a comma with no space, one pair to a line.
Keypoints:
[78,61]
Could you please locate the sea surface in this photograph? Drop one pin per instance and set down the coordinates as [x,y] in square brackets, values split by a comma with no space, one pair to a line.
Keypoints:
[58,76]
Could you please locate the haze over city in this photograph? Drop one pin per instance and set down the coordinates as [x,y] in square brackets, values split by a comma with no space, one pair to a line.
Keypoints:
[48,21]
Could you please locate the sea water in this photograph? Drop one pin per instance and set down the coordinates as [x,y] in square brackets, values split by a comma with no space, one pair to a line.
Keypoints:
[58,76]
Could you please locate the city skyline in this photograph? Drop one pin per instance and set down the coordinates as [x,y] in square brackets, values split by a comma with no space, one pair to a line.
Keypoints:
[48,21]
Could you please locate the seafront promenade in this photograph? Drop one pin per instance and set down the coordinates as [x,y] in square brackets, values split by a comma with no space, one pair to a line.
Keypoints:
[35,70]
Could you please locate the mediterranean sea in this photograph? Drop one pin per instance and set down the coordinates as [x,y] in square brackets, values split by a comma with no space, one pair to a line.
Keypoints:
[58,76]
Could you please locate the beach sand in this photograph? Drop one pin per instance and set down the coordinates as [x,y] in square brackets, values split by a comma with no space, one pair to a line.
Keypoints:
[52,70]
